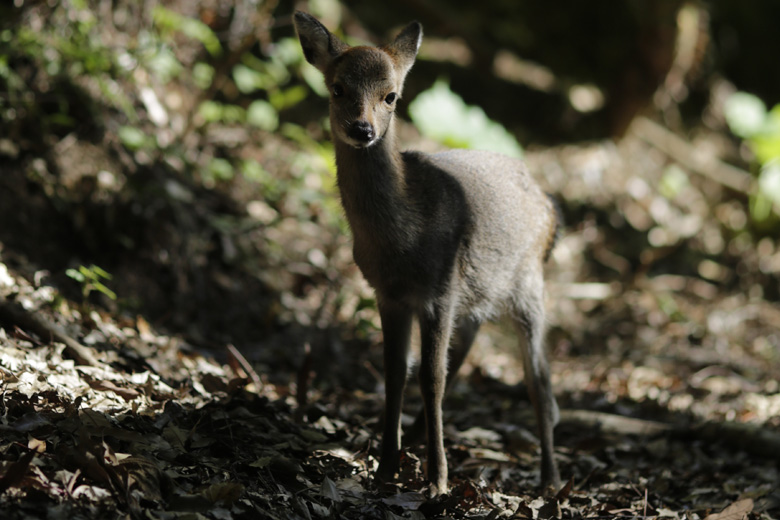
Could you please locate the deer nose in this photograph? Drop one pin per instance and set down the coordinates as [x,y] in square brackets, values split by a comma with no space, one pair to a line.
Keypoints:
[361,131]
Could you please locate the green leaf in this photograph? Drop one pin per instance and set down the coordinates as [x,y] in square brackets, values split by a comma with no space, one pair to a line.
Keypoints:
[313,78]
[253,171]
[262,114]
[745,114]
[210,111]
[290,97]
[202,75]
[766,147]
[288,51]
[103,289]
[233,114]
[76,275]
[132,138]
[673,181]
[221,169]
[164,65]
[195,29]
[441,114]
[271,74]
[94,272]
[769,181]
[247,80]
[89,278]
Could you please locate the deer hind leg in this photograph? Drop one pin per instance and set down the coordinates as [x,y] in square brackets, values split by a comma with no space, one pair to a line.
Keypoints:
[529,321]
[462,339]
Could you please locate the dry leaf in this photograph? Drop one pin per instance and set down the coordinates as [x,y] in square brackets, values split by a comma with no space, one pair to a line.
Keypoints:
[128,394]
[736,511]
[36,445]
[410,501]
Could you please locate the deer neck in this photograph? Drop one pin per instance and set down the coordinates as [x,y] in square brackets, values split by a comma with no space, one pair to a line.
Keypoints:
[374,189]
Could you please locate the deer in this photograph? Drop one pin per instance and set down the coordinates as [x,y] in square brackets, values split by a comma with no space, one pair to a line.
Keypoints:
[450,239]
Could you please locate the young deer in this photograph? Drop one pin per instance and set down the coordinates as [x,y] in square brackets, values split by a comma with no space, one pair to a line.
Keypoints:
[451,239]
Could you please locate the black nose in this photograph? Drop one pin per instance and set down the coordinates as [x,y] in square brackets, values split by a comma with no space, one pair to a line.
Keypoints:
[361,131]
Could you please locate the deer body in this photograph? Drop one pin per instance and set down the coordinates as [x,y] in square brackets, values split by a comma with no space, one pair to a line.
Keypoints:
[451,239]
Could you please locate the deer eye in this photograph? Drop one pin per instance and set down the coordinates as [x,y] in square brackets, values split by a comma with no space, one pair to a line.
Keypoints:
[390,98]
[338,90]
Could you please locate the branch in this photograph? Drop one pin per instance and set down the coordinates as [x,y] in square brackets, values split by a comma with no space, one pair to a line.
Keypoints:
[751,438]
[684,153]
[47,330]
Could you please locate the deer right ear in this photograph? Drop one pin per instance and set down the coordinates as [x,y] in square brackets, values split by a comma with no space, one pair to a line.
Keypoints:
[405,46]
[319,45]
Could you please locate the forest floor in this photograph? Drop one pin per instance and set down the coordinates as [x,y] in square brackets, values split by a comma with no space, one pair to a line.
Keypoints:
[668,386]
[184,334]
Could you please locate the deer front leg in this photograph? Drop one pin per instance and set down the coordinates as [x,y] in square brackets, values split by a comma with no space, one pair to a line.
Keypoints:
[396,329]
[435,330]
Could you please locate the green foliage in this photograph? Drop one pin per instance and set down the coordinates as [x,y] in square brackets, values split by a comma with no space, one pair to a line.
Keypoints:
[68,46]
[745,114]
[288,98]
[170,21]
[162,63]
[673,181]
[273,187]
[90,279]
[219,170]
[202,75]
[134,139]
[263,115]
[442,115]
[214,111]
[749,119]
[247,79]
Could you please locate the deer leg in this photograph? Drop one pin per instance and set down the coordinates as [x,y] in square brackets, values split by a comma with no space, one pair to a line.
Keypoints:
[530,322]
[435,330]
[396,329]
[462,339]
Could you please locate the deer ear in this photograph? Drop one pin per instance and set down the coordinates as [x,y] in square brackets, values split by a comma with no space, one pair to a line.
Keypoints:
[405,46]
[318,44]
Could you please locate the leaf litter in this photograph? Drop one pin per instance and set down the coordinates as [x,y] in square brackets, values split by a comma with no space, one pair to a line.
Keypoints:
[172,431]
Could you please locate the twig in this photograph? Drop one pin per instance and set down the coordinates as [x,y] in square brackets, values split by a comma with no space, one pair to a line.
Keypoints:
[46,329]
[239,358]
[751,438]
[613,423]
[685,154]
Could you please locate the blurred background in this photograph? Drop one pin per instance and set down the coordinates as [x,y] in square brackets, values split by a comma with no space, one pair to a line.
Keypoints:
[169,162]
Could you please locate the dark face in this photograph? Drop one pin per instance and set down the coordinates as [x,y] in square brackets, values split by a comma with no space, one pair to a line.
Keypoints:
[364,86]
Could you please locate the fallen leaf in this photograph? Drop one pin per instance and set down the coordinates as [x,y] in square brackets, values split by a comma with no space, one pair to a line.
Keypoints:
[410,501]
[128,394]
[36,445]
[227,492]
[29,422]
[736,511]
[16,471]
[550,509]
[329,490]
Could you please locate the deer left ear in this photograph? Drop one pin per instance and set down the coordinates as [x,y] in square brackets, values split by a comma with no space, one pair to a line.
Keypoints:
[319,46]
[405,46]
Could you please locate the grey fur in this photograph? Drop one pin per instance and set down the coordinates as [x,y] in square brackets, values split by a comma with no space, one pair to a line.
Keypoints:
[450,239]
